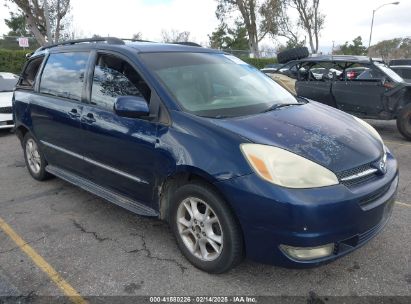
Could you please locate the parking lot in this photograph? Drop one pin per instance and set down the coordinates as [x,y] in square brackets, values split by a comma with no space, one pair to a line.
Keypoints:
[101,249]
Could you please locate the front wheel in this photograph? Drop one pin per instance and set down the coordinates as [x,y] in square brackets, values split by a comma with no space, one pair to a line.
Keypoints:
[404,122]
[205,228]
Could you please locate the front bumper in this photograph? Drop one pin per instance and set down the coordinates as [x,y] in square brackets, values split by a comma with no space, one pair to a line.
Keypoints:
[6,121]
[271,216]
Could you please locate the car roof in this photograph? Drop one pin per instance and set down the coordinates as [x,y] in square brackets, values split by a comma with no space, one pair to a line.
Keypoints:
[116,43]
[339,58]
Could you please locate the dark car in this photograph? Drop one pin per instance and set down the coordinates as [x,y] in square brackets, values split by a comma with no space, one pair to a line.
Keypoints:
[403,70]
[359,85]
[236,164]
[403,61]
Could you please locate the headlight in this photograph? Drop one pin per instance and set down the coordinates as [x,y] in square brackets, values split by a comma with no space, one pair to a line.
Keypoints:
[286,169]
[369,128]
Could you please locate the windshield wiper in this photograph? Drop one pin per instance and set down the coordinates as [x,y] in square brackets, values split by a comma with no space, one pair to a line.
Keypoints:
[282,105]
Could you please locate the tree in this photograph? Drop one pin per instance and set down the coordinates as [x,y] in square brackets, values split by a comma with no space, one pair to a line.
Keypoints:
[310,19]
[254,16]
[175,36]
[138,36]
[283,26]
[392,49]
[356,48]
[229,38]
[44,18]
[17,25]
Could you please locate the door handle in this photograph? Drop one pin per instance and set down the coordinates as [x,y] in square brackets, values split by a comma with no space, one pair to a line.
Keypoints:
[89,118]
[73,113]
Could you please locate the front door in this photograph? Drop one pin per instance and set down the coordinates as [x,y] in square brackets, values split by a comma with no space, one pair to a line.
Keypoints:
[314,82]
[362,94]
[119,151]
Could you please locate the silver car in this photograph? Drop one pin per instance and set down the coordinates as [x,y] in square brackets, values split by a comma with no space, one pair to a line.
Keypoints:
[7,83]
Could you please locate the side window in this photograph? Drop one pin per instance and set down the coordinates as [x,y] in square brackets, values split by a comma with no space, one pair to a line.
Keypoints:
[63,75]
[115,77]
[325,71]
[359,72]
[28,77]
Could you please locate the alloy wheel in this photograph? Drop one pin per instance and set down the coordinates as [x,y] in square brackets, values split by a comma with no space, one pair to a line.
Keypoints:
[200,229]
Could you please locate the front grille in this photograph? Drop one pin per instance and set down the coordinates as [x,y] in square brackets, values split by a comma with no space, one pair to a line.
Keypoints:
[352,177]
[6,110]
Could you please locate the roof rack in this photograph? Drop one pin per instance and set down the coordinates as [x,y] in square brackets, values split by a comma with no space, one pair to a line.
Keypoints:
[109,40]
[187,43]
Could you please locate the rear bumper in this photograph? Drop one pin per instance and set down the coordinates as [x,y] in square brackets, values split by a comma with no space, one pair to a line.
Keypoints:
[271,216]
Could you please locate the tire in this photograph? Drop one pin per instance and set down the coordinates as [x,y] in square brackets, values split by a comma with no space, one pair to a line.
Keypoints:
[404,122]
[221,241]
[34,158]
[292,54]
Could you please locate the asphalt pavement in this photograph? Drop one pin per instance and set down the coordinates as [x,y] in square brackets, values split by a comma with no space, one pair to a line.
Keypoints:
[100,249]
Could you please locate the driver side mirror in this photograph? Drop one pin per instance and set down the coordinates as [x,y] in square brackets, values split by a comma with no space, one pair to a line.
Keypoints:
[131,106]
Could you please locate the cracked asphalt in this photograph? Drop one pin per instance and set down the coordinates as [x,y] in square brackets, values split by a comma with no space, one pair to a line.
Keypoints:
[104,250]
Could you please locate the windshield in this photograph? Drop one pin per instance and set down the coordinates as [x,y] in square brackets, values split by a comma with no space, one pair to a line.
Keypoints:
[8,82]
[216,85]
[394,76]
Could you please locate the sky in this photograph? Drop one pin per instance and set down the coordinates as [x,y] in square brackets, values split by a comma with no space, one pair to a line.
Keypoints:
[344,21]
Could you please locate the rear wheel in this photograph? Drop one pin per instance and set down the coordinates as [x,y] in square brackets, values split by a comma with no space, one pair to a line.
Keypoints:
[205,228]
[404,122]
[35,161]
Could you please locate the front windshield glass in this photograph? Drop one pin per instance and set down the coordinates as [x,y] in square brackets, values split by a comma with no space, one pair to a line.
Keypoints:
[216,85]
[8,82]
[394,76]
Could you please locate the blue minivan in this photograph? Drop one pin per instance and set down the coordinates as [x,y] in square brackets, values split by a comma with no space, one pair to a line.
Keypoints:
[235,164]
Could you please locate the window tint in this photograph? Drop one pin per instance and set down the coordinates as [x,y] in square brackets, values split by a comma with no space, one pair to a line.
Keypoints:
[63,75]
[29,75]
[115,77]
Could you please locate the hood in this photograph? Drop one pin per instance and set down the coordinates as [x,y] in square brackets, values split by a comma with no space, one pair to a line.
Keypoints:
[320,133]
[5,99]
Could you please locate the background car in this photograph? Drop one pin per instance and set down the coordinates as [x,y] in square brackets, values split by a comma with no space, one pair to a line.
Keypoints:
[403,70]
[271,68]
[7,83]
[286,82]
[403,61]
[362,86]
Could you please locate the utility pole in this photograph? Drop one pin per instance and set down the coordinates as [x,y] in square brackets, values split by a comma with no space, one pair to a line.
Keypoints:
[372,21]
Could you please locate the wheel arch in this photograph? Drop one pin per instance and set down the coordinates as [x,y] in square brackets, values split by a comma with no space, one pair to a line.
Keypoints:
[185,175]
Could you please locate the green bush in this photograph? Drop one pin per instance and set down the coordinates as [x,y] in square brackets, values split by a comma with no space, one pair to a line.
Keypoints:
[12,60]
[259,63]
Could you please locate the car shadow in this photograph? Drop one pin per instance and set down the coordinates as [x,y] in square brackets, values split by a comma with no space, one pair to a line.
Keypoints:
[6,132]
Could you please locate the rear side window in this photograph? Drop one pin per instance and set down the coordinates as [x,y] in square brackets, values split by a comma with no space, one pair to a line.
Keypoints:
[114,77]
[63,75]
